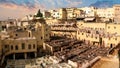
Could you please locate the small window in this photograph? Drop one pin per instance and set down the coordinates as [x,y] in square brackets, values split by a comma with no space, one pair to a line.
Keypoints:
[41,37]
[82,33]
[16,34]
[114,27]
[33,46]
[115,38]
[89,31]
[25,28]
[91,36]
[97,32]
[16,47]
[29,46]
[29,34]
[87,36]
[78,32]
[6,46]
[23,45]
[46,29]
[11,47]
[95,37]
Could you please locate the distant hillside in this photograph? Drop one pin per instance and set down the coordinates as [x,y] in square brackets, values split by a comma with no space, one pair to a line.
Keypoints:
[105,4]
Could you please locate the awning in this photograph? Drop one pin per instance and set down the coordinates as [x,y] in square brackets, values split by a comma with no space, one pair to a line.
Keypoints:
[89,19]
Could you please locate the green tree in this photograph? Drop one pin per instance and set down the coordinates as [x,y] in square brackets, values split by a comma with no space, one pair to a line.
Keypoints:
[39,14]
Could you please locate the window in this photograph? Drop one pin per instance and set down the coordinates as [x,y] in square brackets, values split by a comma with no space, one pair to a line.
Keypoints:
[46,29]
[78,32]
[6,46]
[82,33]
[41,37]
[87,35]
[89,31]
[11,47]
[29,34]
[115,38]
[108,27]
[16,34]
[46,34]
[23,45]
[114,27]
[33,46]
[97,32]
[29,46]
[25,28]
[16,47]
[92,36]
[95,37]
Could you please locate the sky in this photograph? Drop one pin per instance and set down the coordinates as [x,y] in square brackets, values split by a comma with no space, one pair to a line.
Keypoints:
[21,8]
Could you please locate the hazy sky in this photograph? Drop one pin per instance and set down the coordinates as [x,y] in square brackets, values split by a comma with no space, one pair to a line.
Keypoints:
[20,8]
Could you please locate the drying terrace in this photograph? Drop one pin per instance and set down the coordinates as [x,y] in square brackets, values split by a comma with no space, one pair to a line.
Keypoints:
[77,51]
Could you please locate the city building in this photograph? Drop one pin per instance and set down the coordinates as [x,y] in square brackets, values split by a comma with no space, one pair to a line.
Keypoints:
[106,34]
[116,13]
[70,13]
[105,12]
[80,43]
[59,14]
[46,14]
[73,13]
[66,30]
[89,11]
[23,42]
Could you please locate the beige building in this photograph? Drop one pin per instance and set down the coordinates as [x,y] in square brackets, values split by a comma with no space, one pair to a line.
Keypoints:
[105,12]
[70,13]
[91,25]
[66,30]
[46,14]
[59,13]
[100,34]
[113,28]
[116,13]
[78,13]
[19,45]
[23,42]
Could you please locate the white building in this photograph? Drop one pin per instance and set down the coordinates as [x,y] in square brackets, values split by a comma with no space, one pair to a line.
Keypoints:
[117,13]
[105,13]
[89,11]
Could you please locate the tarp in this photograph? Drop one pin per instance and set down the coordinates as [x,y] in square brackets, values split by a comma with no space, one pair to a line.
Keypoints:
[89,19]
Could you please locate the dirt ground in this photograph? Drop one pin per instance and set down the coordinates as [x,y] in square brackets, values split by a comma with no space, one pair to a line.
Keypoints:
[111,62]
